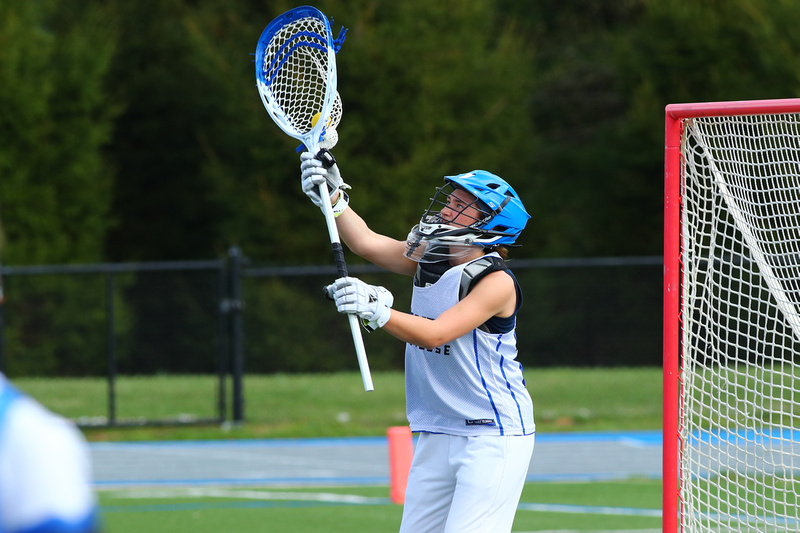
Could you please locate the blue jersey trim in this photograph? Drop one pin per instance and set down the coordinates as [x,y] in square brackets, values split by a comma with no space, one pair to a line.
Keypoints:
[508,386]
[483,381]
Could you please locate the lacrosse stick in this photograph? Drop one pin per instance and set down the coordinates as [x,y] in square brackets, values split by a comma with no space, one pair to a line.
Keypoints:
[296,78]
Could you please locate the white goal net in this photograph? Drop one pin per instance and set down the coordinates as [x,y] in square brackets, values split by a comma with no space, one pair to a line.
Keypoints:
[739,347]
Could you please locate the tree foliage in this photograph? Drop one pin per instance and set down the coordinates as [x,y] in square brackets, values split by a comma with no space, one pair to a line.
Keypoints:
[55,122]
[606,70]
[222,173]
[133,130]
[56,119]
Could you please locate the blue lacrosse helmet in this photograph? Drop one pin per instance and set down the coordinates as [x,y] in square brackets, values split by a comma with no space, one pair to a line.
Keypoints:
[506,217]
[497,219]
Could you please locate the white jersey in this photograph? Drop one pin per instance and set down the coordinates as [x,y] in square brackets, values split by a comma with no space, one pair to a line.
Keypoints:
[45,480]
[471,386]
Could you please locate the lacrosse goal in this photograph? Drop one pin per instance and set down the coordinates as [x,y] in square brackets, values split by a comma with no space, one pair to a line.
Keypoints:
[732,317]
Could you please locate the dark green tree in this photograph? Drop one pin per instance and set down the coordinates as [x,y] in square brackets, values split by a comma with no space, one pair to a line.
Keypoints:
[606,70]
[430,89]
[55,118]
[201,166]
[55,182]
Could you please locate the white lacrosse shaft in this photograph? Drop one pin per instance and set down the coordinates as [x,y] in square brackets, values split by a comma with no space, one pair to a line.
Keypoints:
[296,78]
[341,268]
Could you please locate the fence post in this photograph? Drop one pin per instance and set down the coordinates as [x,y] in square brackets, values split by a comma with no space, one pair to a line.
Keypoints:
[2,340]
[221,342]
[112,350]
[237,332]
[2,327]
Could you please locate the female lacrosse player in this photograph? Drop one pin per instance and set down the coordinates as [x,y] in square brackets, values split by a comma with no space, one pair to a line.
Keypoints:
[465,394]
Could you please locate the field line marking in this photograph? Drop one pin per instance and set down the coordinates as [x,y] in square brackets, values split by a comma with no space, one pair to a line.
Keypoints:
[588,509]
[353,499]
[594,531]
[202,492]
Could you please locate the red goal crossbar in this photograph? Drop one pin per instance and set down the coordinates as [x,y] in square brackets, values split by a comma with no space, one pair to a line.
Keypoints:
[675,114]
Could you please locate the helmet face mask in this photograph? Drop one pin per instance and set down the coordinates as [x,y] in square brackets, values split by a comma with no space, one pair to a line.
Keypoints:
[433,243]
[477,209]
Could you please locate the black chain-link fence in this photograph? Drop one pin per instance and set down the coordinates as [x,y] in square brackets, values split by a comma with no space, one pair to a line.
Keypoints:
[227,317]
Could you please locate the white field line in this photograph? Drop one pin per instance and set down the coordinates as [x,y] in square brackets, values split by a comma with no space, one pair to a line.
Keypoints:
[588,509]
[329,497]
[201,492]
[594,531]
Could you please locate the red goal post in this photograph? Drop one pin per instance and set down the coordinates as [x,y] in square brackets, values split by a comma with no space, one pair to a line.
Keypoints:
[731,300]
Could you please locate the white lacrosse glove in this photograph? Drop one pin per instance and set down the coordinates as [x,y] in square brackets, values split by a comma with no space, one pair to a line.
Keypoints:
[313,172]
[372,304]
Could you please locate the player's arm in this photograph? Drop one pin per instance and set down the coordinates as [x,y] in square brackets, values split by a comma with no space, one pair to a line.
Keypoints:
[374,247]
[378,249]
[494,295]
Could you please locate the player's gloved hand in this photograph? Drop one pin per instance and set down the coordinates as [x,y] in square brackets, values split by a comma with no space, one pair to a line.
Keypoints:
[371,303]
[313,172]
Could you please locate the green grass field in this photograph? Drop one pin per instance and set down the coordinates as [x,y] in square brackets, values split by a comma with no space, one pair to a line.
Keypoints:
[335,405]
[284,406]
[600,506]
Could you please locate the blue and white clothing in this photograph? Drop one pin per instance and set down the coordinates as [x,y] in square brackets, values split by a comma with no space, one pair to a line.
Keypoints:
[45,472]
[469,403]
[472,386]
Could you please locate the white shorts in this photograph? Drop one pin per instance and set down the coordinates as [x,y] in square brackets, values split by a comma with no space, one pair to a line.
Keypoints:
[465,484]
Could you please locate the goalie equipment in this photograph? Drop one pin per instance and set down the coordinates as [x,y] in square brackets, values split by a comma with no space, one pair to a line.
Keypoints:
[499,219]
[314,169]
[371,303]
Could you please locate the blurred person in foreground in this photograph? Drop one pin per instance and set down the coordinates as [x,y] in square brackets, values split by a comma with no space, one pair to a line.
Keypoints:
[45,469]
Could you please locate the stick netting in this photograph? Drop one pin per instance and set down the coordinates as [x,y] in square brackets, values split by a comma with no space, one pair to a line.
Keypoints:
[740,346]
[296,69]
